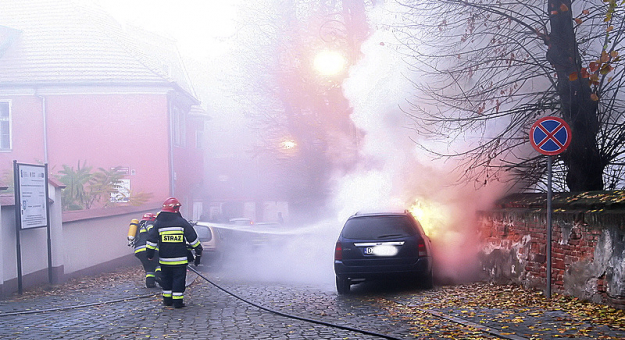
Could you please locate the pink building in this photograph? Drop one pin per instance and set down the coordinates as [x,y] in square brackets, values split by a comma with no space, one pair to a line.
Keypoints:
[77,88]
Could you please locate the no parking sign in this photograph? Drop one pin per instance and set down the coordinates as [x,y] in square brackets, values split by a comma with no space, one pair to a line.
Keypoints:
[550,135]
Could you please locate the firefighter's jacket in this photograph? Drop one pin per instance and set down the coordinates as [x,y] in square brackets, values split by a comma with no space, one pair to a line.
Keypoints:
[170,235]
[142,235]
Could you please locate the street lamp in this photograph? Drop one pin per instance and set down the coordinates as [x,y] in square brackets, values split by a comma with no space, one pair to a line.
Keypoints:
[329,63]
[288,144]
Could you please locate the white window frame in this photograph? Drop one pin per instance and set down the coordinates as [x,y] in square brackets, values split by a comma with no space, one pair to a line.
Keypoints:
[9,119]
[199,137]
[178,127]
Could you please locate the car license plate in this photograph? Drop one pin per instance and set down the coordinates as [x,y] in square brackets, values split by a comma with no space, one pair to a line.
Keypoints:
[381,250]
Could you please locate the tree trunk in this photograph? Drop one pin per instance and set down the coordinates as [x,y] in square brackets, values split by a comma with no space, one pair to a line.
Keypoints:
[585,163]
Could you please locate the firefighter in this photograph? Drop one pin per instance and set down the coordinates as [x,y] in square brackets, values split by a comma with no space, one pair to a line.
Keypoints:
[171,234]
[137,236]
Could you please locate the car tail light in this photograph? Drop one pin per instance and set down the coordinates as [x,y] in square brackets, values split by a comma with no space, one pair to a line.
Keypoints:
[423,251]
[338,251]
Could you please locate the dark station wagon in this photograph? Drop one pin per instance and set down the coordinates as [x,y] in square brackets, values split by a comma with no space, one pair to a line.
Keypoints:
[381,246]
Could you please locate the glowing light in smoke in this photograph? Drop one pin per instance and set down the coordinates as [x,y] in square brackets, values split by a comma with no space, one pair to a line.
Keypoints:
[288,144]
[434,218]
[329,63]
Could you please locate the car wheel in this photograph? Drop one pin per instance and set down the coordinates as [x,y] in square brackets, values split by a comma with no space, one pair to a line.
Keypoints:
[427,281]
[342,285]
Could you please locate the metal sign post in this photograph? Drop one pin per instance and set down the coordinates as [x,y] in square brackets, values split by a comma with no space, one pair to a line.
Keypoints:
[549,224]
[31,208]
[550,136]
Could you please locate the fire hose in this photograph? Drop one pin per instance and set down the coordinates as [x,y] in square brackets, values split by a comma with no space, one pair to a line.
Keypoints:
[290,316]
[78,306]
[295,317]
[436,314]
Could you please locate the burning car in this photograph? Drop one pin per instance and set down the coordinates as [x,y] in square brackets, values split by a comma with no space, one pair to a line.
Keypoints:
[382,245]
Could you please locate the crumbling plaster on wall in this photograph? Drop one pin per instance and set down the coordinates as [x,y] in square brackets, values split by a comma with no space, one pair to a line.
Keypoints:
[615,268]
[588,253]
[504,258]
[581,278]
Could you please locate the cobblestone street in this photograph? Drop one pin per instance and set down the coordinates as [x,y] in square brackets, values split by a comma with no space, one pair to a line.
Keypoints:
[117,306]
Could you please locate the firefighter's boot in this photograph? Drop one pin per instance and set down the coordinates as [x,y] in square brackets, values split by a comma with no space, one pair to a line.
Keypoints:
[150,282]
[178,303]
[167,301]
[157,275]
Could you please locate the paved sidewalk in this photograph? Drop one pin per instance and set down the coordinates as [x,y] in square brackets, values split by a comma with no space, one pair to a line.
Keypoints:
[118,306]
[512,312]
[103,313]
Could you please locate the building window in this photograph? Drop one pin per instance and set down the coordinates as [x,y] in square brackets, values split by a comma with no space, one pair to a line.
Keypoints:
[178,127]
[5,126]
[199,136]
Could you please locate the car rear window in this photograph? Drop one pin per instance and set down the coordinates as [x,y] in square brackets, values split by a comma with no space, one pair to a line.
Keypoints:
[378,227]
[204,233]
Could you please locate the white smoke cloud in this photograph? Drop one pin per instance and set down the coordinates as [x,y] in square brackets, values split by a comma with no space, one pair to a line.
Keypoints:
[393,165]
[395,172]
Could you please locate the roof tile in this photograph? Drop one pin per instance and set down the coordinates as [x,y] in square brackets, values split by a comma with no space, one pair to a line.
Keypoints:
[63,42]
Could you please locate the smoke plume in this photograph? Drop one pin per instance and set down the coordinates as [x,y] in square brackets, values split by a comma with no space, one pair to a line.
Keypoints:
[394,172]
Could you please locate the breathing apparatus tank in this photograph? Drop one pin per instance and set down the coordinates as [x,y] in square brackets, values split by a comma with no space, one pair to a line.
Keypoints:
[132,230]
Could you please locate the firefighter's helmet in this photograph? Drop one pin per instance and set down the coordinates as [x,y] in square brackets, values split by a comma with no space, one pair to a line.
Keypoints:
[148,217]
[171,205]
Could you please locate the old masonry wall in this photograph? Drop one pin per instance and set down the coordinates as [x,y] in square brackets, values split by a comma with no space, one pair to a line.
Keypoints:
[588,244]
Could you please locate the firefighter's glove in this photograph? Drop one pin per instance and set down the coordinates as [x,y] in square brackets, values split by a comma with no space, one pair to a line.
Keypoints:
[189,256]
[196,262]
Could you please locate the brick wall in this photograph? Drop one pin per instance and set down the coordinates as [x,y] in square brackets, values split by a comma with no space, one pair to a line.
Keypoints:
[588,244]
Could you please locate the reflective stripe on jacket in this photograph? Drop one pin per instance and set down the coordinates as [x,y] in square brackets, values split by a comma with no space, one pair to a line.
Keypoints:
[142,236]
[170,234]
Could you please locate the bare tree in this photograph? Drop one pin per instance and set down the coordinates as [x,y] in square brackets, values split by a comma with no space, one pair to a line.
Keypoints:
[285,99]
[489,69]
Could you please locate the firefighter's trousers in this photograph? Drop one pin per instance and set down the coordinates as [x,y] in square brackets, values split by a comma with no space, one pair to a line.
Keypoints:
[173,279]
[152,269]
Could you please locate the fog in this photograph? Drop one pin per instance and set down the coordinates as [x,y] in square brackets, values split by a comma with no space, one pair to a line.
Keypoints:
[397,172]
[390,172]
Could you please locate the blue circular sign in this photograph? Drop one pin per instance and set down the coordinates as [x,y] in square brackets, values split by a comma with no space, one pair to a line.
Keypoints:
[550,135]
